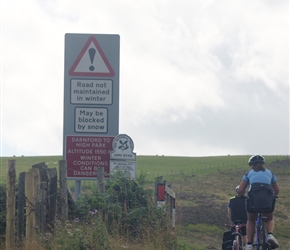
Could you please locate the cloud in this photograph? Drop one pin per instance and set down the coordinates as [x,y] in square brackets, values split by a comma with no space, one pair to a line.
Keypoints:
[196,77]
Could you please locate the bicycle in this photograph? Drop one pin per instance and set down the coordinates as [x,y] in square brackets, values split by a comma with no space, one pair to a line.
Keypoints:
[238,237]
[261,240]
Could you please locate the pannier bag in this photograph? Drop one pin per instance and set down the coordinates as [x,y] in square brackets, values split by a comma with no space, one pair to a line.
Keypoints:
[228,239]
[261,198]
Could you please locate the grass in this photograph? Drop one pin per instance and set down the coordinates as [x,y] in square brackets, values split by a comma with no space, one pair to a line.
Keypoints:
[203,186]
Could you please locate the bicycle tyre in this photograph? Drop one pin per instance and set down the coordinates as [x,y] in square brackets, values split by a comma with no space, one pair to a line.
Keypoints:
[265,244]
[240,243]
[264,240]
[237,243]
[259,237]
[234,245]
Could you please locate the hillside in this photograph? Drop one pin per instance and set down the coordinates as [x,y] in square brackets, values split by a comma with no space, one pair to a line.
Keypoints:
[202,205]
[203,186]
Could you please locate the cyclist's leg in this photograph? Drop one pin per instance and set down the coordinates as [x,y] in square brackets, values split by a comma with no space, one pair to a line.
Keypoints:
[251,226]
[269,224]
[244,235]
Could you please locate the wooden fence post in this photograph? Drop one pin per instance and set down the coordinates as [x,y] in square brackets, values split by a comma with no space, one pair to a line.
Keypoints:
[52,190]
[171,200]
[41,198]
[30,232]
[10,205]
[40,206]
[35,183]
[21,206]
[63,190]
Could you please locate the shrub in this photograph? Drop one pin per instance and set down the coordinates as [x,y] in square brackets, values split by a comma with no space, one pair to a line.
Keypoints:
[128,210]
[90,233]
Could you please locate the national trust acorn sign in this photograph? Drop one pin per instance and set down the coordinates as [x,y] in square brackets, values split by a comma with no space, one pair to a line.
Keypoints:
[122,157]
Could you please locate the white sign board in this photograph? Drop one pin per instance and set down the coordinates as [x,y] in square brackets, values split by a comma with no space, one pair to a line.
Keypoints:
[91,84]
[91,91]
[91,120]
[129,168]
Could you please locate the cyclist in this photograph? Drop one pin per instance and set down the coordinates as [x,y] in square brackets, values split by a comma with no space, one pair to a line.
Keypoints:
[237,212]
[255,177]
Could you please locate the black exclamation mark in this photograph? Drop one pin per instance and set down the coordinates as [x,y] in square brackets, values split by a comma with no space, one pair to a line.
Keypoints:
[92,53]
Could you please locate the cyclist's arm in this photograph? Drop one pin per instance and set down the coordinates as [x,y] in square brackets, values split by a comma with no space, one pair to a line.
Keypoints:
[275,188]
[229,213]
[242,188]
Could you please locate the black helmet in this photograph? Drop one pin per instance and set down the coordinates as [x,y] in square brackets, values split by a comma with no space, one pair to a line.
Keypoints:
[256,159]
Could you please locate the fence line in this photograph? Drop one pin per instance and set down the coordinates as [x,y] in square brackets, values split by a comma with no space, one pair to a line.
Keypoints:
[36,204]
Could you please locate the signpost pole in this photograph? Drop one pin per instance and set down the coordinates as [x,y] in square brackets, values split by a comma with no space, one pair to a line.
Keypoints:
[78,187]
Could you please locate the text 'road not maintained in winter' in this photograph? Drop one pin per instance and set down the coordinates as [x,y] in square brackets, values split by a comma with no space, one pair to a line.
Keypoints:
[91,91]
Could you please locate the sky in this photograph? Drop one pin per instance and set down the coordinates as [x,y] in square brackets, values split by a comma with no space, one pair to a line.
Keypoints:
[197,77]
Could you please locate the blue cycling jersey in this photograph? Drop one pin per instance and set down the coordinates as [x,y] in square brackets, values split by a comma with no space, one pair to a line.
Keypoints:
[260,177]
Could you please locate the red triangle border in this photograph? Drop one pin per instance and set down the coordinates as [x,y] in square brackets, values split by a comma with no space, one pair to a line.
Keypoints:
[111,72]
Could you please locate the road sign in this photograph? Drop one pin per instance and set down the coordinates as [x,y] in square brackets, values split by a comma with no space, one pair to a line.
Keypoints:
[91,89]
[122,156]
[85,154]
[92,61]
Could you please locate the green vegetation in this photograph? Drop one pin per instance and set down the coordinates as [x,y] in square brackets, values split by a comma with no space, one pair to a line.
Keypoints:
[126,214]
[203,186]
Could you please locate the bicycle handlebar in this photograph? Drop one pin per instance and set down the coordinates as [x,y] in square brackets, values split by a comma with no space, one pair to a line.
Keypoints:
[232,225]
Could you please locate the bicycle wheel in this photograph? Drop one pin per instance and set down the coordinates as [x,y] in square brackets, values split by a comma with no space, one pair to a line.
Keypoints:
[234,245]
[240,247]
[237,244]
[259,238]
[264,240]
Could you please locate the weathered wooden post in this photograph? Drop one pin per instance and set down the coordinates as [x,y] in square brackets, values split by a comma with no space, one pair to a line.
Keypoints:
[101,176]
[40,206]
[39,194]
[52,191]
[10,205]
[21,206]
[170,197]
[41,197]
[30,216]
[63,190]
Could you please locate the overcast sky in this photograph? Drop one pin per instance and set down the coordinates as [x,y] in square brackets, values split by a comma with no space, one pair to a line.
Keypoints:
[197,77]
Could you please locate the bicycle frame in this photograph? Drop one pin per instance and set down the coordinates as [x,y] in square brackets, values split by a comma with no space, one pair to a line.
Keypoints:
[261,235]
[238,242]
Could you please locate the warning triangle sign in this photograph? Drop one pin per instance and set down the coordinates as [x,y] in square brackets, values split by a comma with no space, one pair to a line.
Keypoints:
[92,61]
